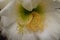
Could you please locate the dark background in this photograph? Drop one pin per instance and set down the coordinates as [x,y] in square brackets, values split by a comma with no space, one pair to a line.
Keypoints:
[2,37]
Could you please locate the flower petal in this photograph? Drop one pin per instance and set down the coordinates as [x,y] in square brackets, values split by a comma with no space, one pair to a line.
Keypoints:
[30,4]
[8,13]
[3,3]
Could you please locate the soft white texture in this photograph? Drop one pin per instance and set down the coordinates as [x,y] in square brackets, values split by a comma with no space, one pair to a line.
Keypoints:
[3,3]
[30,4]
[52,32]
[56,0]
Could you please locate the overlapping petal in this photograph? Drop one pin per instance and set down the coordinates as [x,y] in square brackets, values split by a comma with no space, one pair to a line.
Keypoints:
[14,11]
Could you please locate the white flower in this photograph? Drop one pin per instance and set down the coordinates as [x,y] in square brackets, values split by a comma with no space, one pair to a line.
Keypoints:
[10,12]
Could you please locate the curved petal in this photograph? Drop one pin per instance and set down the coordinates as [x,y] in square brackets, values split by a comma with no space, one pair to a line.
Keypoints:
[3,3]
[8,13]
[29,4]
[13,8]
[52,20]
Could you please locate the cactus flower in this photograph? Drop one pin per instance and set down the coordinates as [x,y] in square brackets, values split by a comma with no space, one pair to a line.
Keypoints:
[30,20]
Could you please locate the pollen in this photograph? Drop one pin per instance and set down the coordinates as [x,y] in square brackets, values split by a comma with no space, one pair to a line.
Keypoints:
[37,23]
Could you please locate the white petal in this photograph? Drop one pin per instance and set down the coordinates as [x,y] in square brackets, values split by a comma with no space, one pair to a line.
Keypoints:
[3,3]
[52,31]
[35,3]
[27,4]
[8,14]
[30,4]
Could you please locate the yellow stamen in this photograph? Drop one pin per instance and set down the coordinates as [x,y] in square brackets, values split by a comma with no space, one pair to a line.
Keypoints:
[20,28]
[37,22]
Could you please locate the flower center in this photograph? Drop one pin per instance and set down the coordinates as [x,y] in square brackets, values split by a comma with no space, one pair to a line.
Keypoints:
[31,20]
[36,24]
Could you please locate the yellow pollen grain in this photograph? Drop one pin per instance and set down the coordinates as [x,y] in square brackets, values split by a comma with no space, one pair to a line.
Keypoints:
[37,23]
